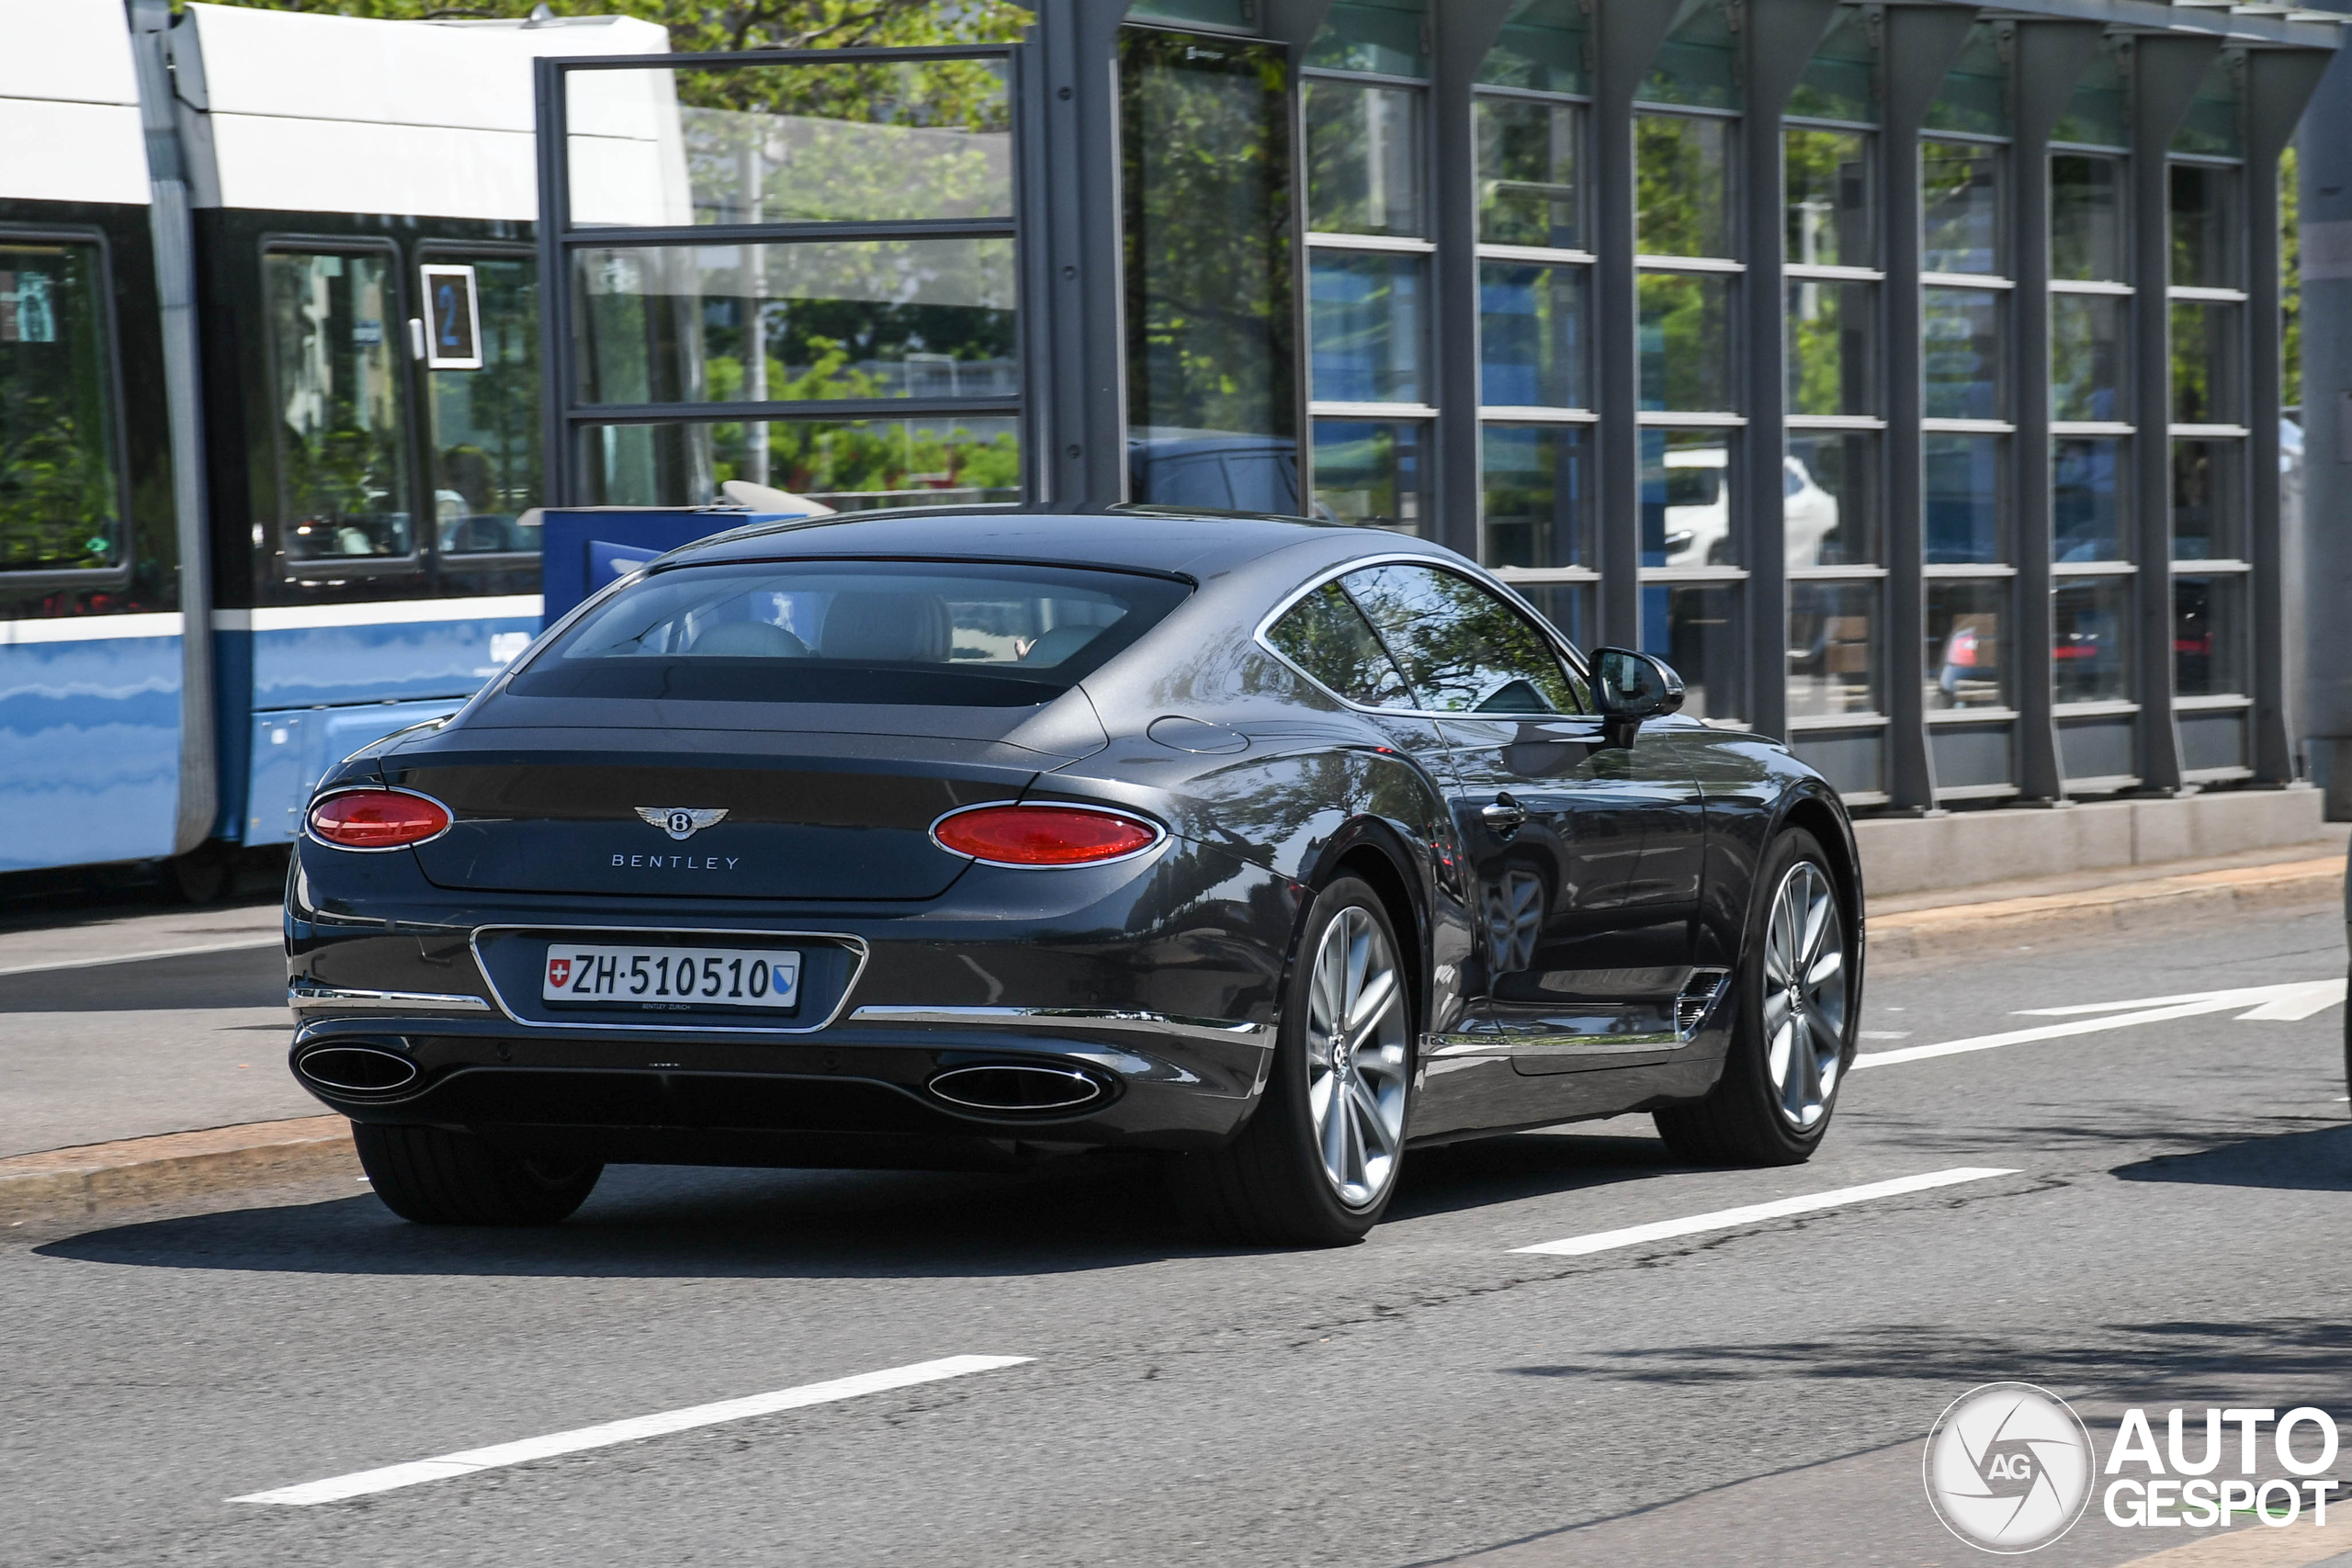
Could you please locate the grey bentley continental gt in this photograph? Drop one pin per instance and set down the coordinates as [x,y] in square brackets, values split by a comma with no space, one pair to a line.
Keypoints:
[1274,848]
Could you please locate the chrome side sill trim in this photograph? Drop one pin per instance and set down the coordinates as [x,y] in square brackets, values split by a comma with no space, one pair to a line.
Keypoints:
[309,996]
[1091,1017]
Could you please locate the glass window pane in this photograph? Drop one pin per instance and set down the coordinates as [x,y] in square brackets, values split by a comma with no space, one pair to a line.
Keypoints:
[486,422]
[2208,500]
[61,498]
[1682,168]
[1828,209]
[1841,80]
[342,437]
[1371,473]
[2204,361]
[1961,353]
[1537,485]
[1686,342]
[1960,194]
[1386,37]
[1540,48]
[2211,123]
[2086,338]
[2090,647]
[848,464]
[1531,335]
[1363,158]
[1527,174]
[1686,498]
[1463,650]
[1974,95]
[1365,325]
[1967,509]
[1695,627]
[1967,643]
[1699,62]
[2209,638]
[2100,110]
[1833,347]
[872,139]
[855,319]
[2086,233]
[2203,210]
[2086,490]
[1834,665]
[1829,497]
[1569,606]
[1235,14]
[1325,635]
[1210,303]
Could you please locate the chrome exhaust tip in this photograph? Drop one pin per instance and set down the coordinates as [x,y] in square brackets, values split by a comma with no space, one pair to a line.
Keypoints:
[357,1069]
[1017,1087]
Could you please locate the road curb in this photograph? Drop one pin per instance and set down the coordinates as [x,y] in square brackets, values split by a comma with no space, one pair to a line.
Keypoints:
[77,1182]
[2120,908]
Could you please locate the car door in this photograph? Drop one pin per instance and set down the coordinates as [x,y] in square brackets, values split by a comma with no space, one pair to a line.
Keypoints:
[1587,946]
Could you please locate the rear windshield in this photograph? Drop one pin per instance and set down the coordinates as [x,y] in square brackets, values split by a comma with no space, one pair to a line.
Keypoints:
[954,634]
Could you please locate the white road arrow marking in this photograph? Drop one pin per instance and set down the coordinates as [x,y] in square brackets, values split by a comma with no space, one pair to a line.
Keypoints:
[2294,1000]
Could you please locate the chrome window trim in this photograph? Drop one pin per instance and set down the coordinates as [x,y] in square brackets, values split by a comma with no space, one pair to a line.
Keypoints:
[1560,645]
[304,994]
[856,944]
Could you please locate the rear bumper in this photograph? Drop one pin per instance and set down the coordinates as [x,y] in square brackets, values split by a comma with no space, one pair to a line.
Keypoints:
[1154,983]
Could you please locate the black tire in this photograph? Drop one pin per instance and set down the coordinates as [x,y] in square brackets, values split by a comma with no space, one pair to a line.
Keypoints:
[435,1176]
[1741,1120]
[1269,1186]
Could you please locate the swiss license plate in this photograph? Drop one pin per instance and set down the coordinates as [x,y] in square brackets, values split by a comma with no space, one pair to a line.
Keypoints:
[673,977]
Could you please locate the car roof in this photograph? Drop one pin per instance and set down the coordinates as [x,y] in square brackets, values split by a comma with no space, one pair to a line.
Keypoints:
[1195,544]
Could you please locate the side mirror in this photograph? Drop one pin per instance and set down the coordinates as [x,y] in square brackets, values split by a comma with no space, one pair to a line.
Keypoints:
[1634,686]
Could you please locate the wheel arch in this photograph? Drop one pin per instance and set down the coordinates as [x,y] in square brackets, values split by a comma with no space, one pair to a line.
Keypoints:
[1370,850]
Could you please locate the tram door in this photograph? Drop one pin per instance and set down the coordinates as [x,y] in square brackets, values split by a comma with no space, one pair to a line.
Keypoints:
[798,271]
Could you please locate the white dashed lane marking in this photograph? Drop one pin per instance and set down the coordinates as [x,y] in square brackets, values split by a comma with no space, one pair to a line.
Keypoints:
[391,1477]
[1752,1213]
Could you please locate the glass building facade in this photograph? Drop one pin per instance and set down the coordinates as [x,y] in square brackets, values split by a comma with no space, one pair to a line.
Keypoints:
[1904,374]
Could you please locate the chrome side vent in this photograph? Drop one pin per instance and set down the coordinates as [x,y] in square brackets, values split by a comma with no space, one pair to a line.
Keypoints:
[1699,994]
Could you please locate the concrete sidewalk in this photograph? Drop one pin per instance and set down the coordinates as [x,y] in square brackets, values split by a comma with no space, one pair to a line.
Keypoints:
[142,1056]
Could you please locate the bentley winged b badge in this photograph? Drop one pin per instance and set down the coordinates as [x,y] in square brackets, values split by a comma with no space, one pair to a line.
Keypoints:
[681,822]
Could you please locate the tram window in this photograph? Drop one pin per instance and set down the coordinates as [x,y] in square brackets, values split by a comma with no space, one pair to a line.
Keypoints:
[486,422]
[342,446]
[61,500]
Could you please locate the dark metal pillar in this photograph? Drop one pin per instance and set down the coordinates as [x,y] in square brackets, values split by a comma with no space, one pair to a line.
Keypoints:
[2278,83]
[2165,72]
[2050,56]
[1921,43]
[1466,30]
[1626,35]
[2326,166]
[1782,38]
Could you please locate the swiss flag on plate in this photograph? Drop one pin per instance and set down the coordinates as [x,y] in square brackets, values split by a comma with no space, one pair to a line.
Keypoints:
[559,972]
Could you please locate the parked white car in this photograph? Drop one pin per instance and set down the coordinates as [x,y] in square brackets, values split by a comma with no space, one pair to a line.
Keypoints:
[1698,510]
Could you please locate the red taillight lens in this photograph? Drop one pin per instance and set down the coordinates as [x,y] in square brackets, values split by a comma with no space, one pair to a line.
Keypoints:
[377,818]
[1043,835]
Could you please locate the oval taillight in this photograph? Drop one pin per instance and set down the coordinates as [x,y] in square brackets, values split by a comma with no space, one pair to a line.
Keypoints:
[377,819]
[1043,835]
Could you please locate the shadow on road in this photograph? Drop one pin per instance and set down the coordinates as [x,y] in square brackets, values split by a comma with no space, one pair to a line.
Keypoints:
[242,977]
[1093,1213]
[2319,1160]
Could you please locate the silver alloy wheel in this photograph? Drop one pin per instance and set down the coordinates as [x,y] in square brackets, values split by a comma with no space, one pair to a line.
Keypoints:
[1804,995]
[1356,1058]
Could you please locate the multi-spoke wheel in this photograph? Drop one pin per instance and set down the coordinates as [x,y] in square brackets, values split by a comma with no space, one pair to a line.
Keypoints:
[1356,1057]
[1804,995]
[1792,1031]
[1317,1161]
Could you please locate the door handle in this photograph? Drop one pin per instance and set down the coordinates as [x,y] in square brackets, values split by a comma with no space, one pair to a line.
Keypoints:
[1506,816]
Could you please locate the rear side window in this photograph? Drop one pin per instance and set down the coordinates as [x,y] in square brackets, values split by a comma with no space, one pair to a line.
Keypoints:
[956,634]
[1323,635]
[1465,649]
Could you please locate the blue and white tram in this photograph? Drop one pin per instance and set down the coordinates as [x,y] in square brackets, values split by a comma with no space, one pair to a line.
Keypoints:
[267,368]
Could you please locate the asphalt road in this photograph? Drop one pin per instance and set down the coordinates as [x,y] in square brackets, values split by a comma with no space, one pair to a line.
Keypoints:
[2175,1232]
